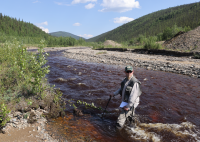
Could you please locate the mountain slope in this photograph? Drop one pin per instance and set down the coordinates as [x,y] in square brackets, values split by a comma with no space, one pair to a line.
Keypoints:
[64,34]
[13,27]
[155,23]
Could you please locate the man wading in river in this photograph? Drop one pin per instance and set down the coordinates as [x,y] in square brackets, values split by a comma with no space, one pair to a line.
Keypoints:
[130,92]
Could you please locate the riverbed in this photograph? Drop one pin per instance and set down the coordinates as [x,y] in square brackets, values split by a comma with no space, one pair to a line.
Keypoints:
[168,109]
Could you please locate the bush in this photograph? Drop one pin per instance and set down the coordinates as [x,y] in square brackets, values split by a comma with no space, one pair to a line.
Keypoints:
[151,43]
[131,42]
[170,32]
[141,39]
[196,56]
[20,71]
[4,115]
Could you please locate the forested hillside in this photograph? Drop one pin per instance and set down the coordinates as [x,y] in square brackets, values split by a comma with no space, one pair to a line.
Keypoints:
[27,33]
[13,27]
[64,34]
[155,23]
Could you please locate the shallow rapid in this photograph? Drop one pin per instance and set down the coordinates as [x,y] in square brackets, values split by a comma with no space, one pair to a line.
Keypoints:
[168,109]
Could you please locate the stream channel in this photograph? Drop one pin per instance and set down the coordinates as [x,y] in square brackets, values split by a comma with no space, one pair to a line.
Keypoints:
[168,109]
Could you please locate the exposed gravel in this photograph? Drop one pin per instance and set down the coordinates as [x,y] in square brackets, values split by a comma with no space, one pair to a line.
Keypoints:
[18,128]
[185,41]
[180,65]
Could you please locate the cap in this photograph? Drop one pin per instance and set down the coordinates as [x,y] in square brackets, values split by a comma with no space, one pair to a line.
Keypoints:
[128,68]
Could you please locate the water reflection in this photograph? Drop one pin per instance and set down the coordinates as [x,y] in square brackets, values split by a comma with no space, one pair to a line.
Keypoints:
[168,101]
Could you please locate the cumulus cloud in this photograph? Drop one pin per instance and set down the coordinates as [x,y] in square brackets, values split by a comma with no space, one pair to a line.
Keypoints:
[82,1]
[86,36]
[89,6]
[122,19]
[76,24]
[43,23]
[44,29]
[119,5]
[40,25]
[61,3]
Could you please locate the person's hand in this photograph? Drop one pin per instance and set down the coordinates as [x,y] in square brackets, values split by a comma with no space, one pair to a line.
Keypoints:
[111,96]
[125,108]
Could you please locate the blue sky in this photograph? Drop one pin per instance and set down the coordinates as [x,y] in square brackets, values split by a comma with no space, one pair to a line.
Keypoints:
[86,18]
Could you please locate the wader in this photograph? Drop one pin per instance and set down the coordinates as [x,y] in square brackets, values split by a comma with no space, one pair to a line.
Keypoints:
[125,97]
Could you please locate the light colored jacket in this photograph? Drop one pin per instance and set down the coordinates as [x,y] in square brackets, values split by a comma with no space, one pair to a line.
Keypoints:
[134,95]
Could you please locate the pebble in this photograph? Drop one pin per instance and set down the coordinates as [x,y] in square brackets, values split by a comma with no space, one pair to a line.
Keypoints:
[21,123]
[163,64]
[38,128]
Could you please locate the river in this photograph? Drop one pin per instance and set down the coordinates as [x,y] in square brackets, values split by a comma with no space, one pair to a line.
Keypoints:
[168,109]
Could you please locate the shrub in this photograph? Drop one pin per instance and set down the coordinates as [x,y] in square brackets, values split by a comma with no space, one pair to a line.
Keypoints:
[131,42]
[151,43]
[21,72]
[141,39]
[4,115]
[196,56]
[97,46]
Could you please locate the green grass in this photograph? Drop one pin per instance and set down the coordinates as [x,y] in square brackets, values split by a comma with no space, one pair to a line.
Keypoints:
[101,53]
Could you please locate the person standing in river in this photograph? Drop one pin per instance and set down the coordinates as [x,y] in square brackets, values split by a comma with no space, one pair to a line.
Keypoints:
[130,92]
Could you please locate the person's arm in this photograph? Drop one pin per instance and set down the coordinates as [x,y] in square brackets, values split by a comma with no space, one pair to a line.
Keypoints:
[117,92]
[133,96]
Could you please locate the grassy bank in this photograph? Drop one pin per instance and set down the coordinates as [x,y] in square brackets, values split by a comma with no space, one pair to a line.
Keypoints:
[141,43]
[22,78]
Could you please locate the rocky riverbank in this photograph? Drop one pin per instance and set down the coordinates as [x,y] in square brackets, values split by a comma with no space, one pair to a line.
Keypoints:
[27,122]
[179,65]
[19,127]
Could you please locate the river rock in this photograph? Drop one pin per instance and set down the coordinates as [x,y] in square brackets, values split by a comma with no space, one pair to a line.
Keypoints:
[60,80]
[72,79]
[77,112]
[32,118]
[54,112]
[42,104]
[34,105]
[81,84]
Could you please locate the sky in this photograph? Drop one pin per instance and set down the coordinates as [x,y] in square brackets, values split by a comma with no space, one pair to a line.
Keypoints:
[85,18]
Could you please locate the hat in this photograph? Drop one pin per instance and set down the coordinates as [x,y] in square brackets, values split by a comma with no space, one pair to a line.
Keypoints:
[128,68]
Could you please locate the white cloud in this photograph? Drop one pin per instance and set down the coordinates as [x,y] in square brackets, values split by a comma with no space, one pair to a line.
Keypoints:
[61,3]
[36,1]
[122,19]
[89,6]
[82,1]
[76,24]
[119,5]
[86,36]
[40,25]
[43,23]
[44,29]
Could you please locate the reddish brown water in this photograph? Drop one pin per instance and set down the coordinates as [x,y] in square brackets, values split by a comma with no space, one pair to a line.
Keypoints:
[168,109]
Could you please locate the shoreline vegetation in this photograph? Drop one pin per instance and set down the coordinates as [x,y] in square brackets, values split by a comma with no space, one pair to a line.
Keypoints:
[24,90]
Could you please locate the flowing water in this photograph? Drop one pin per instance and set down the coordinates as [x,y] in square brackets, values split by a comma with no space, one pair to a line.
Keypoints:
[168,109]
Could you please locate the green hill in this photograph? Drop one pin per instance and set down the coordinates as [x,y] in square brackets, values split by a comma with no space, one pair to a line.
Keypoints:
[27,33]
[13,27]
[64,34]
[154,23]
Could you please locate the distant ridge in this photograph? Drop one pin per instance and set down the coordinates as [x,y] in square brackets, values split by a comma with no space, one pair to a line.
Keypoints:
[154,23]
[65,34]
